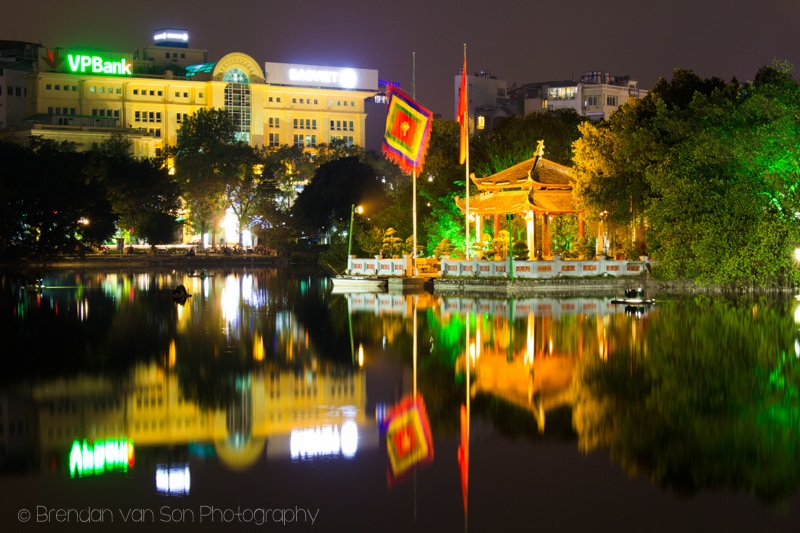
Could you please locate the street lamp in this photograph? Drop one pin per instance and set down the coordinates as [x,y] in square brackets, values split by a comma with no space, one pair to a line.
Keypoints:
[353,210]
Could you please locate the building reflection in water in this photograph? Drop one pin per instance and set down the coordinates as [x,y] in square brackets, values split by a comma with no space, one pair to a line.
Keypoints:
[305,406]
[240,333]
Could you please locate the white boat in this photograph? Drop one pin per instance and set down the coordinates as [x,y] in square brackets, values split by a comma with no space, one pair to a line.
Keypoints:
[634,297]
[358,283]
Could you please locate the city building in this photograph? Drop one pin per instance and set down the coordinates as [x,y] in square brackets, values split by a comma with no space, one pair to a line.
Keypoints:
[487,100]
[86,96]
[595,96]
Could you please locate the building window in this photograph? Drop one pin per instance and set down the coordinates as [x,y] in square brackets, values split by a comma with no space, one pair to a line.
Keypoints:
[71,110]
[338,125]
[314,124]
[152,93]
[274,122]
[592,100]
[151,116]
[49,110]
[315,101]
[274,139]
[333,125]
[116,113]
[75,88]
[481,122]
[137,116]
[118,90]
[158,117]
[308,123]
[136,91]
[177,94]
[294,100]
[186,95]
[237,103]
[294,123]
[298,140]
[160,93]
[351,126]
[92,89]
[611,101]
[199,95]
[330,102]
[102,90]
[278,99]
[311,141]
[48,87]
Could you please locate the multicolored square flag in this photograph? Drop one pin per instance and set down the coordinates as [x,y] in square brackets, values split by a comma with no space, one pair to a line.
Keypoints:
[408,437]
[408,130]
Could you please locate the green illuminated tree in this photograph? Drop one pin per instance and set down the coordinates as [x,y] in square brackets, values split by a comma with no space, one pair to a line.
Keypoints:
[712,169]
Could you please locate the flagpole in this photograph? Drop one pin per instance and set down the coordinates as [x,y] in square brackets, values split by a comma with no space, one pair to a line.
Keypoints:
[465,99]
[414,176]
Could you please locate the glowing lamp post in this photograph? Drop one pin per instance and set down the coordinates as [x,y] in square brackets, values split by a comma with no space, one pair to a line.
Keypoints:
[353,210]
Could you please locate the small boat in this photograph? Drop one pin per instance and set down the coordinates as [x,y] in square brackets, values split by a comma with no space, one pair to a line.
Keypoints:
[179,293]
[36,286]
[634,297]
[201,274]
[358,283]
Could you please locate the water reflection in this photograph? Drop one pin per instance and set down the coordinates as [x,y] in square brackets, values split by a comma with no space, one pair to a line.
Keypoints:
[107,375]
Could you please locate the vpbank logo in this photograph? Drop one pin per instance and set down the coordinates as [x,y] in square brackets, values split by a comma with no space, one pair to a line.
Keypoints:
[53,59]
[98,65]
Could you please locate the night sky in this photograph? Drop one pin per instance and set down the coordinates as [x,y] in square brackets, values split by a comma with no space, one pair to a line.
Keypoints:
[516,40]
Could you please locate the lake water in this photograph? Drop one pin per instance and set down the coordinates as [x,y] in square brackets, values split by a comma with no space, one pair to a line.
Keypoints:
[266,400]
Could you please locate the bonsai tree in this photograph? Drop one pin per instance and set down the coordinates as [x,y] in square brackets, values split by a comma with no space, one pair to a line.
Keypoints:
[392,244]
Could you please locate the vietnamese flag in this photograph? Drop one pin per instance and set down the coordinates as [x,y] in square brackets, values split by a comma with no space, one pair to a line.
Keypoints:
[463,113]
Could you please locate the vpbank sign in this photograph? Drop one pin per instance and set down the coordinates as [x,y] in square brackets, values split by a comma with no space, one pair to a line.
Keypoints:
[93,64]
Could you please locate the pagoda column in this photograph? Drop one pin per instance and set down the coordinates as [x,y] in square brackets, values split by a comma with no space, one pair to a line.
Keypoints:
[545,235]
[530,230]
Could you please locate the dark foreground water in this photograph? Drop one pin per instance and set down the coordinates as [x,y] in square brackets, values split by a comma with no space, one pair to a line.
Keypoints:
[266,401]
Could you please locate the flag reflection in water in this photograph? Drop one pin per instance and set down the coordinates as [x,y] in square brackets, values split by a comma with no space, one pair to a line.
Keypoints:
[408,437]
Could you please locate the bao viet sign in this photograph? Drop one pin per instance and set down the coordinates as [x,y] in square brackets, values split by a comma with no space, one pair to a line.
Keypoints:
[318,76]
[77,62]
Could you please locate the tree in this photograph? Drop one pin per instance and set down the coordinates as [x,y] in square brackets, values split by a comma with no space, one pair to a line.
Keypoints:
[203,140]
[325,203]
[50,207]
[138,189]
[711,167]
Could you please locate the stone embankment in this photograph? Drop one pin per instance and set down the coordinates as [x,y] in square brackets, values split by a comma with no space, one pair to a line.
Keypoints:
[586,286]
[210,261]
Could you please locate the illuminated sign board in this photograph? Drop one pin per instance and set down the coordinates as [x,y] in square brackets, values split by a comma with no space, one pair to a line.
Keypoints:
[102,456]
[317,76]
[84,64]
[171,35]
[80,62]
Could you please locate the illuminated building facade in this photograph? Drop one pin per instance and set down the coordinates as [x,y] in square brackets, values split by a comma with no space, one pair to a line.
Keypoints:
[85,96]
